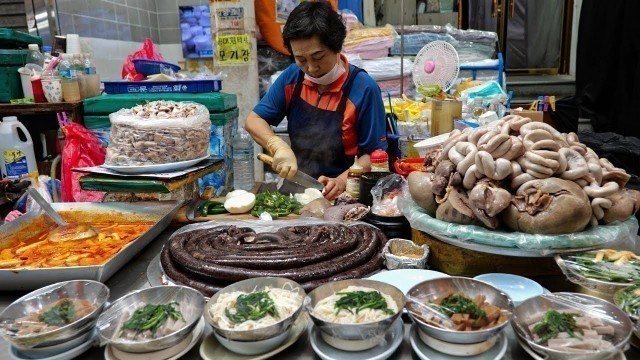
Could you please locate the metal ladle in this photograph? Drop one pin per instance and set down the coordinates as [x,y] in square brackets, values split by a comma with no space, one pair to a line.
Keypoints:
[35,195]
[64,231]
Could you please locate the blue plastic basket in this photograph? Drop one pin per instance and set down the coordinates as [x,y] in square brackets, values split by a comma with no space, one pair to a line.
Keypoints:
[148,67]
[151,87]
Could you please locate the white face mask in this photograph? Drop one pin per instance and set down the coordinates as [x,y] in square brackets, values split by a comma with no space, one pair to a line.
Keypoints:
[329,77]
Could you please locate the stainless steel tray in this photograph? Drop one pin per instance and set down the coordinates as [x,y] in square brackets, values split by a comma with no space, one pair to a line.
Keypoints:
[160,213]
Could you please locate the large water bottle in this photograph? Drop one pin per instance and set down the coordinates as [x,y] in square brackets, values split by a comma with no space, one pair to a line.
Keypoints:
[35,56]
[242,161]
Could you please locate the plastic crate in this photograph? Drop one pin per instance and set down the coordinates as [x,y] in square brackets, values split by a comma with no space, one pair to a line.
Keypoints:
[10,84]
[148,67]
[153,87]
[15,40]
[216,102]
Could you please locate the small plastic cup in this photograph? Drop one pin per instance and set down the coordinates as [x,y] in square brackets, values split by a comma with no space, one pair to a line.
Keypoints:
[38,91]
[25,78]
[52,87]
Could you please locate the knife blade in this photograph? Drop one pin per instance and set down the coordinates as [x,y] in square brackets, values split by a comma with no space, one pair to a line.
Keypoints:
[192,208]
[301,179]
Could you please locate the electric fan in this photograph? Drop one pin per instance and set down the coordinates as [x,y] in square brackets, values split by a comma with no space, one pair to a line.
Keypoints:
[437,63]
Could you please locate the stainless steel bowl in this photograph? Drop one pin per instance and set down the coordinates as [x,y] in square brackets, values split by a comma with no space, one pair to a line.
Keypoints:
[191,305]
[607,312]
[251,285]
[431,289]
[354,331]
[635,317]
[35,301]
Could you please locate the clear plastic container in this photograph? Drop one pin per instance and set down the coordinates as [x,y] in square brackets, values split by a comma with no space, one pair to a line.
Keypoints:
[243,178]
[35,56]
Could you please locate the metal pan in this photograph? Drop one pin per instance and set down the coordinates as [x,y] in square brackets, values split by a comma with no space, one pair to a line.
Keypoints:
[160,213]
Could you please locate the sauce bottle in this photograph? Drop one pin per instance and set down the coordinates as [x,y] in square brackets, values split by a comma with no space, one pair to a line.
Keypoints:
[353,179]
[379,161]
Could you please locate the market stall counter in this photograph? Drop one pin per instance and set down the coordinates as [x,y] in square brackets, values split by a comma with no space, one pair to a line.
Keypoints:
[133,276]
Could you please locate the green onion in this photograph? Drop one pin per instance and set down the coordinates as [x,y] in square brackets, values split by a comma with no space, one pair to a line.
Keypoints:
[553,323]
[152,317]
[59,315]
[356,301]
[253,306]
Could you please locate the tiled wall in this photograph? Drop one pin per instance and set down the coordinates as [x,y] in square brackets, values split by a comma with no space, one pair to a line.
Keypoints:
[126,20]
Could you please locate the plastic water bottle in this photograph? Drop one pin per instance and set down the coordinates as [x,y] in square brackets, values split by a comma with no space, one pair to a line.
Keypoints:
[35,56]
[91,78]
[47,55]
[70,86]
[243,161]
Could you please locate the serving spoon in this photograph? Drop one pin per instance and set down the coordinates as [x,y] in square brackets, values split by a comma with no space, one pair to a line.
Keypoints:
[427,311]
[64,231]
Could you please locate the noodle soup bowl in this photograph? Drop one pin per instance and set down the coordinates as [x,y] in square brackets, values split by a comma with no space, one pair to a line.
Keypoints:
[354,336]
[191,305]
[532,310]
[427,291]
[269,336]
[94,292]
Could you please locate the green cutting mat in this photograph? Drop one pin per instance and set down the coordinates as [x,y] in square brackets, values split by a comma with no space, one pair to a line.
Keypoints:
[218,119]
[110,103]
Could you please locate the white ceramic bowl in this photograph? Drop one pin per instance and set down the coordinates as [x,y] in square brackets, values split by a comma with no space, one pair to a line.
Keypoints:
[519,288]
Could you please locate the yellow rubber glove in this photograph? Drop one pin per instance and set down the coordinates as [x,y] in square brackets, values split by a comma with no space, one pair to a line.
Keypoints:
[284,160]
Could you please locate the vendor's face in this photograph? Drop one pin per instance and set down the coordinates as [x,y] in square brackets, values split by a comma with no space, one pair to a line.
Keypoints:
[313,58]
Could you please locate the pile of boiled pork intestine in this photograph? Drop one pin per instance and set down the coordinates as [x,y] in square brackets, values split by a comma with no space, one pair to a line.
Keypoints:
[525,175]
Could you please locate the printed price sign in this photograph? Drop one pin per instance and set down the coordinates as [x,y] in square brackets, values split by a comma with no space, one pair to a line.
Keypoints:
[233,49]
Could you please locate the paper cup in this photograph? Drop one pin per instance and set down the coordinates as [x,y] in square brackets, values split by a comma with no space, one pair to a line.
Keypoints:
[52,88]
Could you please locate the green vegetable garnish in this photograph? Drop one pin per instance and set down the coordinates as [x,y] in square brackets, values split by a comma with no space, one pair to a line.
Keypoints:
[253,306]
[275,204]
[605,269]
[629,300]
[59,315]
[553,323]
[356,301]
[151,317]
[459,304]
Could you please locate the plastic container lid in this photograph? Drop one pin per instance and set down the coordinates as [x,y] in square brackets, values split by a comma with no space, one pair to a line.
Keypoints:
[9,118]
[379,156]
[47,48]
[34,47]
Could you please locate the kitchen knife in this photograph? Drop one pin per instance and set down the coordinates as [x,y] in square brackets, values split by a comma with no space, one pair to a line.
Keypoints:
[301,179]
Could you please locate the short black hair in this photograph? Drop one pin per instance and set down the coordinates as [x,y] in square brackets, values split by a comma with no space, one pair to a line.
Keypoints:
[315,18]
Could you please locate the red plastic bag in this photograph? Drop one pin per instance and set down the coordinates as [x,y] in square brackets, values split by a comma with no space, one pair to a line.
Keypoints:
[148,51]
[81,149]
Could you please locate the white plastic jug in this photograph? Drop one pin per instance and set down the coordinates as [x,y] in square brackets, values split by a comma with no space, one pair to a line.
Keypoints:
[16,156]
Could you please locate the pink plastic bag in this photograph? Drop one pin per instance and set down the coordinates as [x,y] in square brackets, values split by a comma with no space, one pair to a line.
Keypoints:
[148,51]
[81,149]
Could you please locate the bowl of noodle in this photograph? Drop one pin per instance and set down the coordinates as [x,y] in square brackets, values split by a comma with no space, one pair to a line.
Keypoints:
[355,315]
[259,310]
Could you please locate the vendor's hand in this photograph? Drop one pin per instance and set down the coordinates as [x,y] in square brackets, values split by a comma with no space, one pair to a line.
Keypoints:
[284,160]
[332,187]
[12,216]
